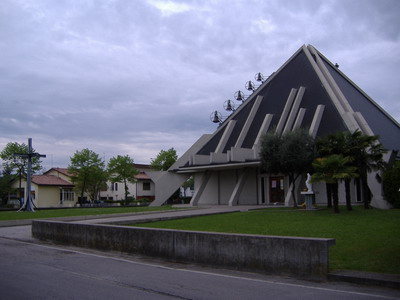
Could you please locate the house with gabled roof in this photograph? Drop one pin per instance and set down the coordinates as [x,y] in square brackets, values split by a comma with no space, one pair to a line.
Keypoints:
[307,91]
[55,188]
[142,188]
[52,189]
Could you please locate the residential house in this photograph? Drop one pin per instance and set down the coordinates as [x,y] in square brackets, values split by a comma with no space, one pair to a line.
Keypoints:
[307,91]
[52,189]
[142,188]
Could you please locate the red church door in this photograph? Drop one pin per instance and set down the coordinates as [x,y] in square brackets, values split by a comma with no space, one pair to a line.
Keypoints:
[277,192]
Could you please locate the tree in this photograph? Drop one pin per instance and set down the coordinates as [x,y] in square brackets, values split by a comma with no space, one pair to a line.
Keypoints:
[290,154]
[5,188]
[338,143]
[164,160]
[367,154]
[19,164]
[391,185]
[96,183]
[121,169]
[331,169]
[88,172]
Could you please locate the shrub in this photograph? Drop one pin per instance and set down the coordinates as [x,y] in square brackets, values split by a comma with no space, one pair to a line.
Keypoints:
[391,185]
[143,200]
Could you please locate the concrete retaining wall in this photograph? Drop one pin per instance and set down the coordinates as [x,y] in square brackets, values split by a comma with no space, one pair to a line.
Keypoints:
[300,257]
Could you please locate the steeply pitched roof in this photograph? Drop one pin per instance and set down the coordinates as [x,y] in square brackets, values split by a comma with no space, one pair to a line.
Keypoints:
[141,166]
[63,171]
[50,180]
[142,176]
[309,92]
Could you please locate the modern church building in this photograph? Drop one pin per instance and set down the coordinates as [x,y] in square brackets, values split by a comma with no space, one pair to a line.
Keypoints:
[307,91]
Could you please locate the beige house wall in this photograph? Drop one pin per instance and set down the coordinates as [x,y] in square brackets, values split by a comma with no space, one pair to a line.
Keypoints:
[45,196]
[48,196]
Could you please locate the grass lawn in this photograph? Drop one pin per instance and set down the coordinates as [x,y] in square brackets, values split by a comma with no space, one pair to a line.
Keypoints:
[68,212]
[366,240]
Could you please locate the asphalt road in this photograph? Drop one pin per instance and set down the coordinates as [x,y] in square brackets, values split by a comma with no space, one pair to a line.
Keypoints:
[44,271]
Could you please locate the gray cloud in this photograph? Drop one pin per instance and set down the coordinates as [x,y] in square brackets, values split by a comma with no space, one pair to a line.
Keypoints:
[135,77]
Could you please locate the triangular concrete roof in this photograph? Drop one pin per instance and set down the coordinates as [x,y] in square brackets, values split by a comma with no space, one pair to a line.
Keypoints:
[308,91]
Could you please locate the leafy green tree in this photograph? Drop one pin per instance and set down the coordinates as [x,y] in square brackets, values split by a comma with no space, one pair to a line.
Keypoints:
[367,154]
[5,187]
[18,164]
[164,160]
[88,172]
[290,154]
[122,169]
[332,169]
[97,182]
[337,143]
[391,185]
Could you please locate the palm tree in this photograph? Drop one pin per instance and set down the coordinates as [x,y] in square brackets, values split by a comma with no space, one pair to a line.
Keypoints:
[335,144]
[367,154]
[332,169]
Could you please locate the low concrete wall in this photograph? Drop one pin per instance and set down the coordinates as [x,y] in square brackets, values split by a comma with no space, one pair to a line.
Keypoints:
[293,256]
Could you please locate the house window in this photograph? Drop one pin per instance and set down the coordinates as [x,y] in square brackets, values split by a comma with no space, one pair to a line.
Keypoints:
[66,195]
[114,186]
[146,186]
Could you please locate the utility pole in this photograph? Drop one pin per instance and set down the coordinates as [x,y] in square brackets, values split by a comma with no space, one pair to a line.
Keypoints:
[28,205]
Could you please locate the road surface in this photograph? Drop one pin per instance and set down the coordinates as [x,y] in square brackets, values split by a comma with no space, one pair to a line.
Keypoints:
[33,270]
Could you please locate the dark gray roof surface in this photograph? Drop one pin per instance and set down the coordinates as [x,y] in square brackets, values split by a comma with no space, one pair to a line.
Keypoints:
[296,72]
[378,120]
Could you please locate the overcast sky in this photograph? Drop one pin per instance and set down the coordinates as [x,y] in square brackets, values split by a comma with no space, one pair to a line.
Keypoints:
[134,77]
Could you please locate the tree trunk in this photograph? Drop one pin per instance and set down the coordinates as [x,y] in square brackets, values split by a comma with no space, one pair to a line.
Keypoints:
[126,192]
[365,190]
[348,196]
[292,180]
[335,195]
[19,191]
[329,194]
[358,189]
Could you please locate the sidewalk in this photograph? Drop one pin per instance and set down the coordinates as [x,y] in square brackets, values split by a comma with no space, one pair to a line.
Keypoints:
[22,231]
[186,210]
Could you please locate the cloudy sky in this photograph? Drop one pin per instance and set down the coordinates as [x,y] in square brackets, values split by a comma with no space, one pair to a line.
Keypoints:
[137,76]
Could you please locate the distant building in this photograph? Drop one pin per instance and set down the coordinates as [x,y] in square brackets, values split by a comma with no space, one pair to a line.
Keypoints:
[52,189]
[55,188]
[142,188]
[307,91]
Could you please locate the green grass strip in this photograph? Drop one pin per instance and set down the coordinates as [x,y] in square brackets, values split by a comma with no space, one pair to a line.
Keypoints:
[366,240]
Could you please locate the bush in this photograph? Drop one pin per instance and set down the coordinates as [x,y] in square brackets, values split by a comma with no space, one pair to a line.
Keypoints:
[143,200]
[391,185]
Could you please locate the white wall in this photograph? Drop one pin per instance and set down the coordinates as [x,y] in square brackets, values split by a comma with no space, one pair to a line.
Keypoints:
[249,193]
[135,190]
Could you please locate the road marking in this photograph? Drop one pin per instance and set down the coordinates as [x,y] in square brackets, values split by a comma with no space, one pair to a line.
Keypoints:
[203,272]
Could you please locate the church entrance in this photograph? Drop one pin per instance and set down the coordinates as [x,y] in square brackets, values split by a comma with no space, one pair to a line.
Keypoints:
[276,190]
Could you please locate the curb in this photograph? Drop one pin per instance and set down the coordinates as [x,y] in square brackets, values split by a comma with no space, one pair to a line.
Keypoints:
[366,278]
